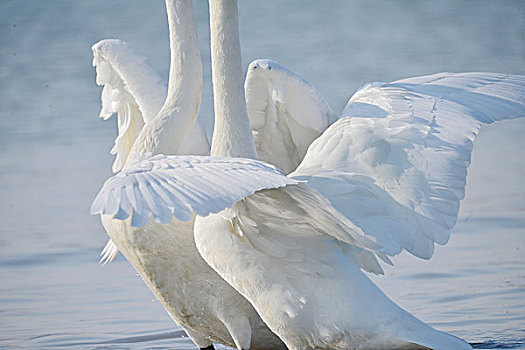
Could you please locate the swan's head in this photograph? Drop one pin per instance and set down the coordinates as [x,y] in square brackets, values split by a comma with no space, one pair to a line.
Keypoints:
[267,68]
[263,64]
[267,79]
[278,76]
[107,56]
[109,50]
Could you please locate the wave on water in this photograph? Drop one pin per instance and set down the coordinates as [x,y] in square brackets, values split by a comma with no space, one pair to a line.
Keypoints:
[500,345]
[152,337]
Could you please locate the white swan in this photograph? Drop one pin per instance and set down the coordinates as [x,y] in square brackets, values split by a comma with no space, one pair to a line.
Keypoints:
[165,256]
[393,167]
[396,169]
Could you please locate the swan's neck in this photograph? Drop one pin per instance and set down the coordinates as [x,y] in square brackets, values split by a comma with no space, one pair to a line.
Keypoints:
[232,134]
[165,133]
[185,81]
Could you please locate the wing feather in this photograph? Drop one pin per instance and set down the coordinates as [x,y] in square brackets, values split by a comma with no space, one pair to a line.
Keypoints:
[286,113]
[165,186]
[132,90]
[109,253]
[299,229]
[395,164]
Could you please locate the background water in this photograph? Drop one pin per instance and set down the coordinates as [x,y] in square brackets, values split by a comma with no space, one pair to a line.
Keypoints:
[54,158]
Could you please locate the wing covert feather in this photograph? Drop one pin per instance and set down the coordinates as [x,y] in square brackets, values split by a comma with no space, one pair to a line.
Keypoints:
[298,228]
[132,90]
[182,186]
[286,113]
[396,162]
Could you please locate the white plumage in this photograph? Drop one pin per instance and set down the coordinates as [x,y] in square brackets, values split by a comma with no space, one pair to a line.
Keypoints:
[395,168]
[162,250]
[387,176]
[286,113]
[167,187]
[136,93]
[396,162]
[123,94]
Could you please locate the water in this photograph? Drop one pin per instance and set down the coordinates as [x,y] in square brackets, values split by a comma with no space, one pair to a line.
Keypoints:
[54,157]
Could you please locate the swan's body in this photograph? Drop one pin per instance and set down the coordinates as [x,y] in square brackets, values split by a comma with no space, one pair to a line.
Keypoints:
[164,254]
[391,170]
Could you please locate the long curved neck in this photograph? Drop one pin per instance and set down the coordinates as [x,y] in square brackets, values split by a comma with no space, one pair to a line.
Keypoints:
[232,134]
[172,124]
[185,80]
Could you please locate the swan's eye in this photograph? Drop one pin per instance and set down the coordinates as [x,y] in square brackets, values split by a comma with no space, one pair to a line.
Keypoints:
[269,68]
[254,67]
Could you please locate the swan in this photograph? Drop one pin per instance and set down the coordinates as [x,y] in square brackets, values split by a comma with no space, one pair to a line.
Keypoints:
[164,254]
[387,176]
[392,168]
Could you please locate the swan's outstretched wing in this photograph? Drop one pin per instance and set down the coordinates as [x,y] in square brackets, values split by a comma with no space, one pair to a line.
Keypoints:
[182,186]
[396,163]
[131,89]
[286,113]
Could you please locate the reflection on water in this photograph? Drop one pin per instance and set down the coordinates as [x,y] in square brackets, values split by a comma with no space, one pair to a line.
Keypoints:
[54,157]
